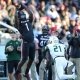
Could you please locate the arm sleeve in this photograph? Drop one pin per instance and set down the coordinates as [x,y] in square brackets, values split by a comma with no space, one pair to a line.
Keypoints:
[6,51]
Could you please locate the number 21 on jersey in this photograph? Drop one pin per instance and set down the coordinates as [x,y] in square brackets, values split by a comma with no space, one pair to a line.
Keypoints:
[57,48]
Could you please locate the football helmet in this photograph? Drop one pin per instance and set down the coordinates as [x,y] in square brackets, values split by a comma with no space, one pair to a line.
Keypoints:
[45,29]
[53,40]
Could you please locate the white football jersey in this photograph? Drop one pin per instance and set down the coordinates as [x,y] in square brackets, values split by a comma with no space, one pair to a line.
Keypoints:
[56,49]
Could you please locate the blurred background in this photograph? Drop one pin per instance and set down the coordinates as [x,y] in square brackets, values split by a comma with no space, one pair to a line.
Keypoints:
[59,13]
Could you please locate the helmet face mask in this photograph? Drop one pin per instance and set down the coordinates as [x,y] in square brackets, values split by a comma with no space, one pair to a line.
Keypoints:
[45,29]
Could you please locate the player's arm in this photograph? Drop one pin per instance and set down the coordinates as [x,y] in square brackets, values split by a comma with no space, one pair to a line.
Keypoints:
[36,50]
[47,57]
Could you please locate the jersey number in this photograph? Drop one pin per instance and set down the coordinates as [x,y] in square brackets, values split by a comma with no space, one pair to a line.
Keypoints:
[57,49]
[42,43]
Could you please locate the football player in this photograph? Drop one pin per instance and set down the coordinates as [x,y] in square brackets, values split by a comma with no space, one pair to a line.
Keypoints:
[42,38]
[57,53]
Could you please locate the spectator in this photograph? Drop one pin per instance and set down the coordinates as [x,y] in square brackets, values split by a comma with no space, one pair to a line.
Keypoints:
[9,2]
[11,13]
[74,9]
[79,13]
[49,3]
[58,23]
[42,9]
[72,23]
[64,25]
[13,52]
[52,13]
[4,12]
[59,1]
[74,41]
[32,5]
[62,11]
[67,15]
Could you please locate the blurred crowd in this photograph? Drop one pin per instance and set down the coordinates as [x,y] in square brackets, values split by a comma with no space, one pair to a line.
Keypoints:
[63,15]
[59,13]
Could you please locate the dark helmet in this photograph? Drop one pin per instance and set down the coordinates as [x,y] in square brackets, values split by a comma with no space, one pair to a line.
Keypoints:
[61,35]
[45,29]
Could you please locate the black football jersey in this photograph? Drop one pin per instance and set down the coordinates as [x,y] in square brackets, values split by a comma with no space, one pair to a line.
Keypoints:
[25,27]
[43,38]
